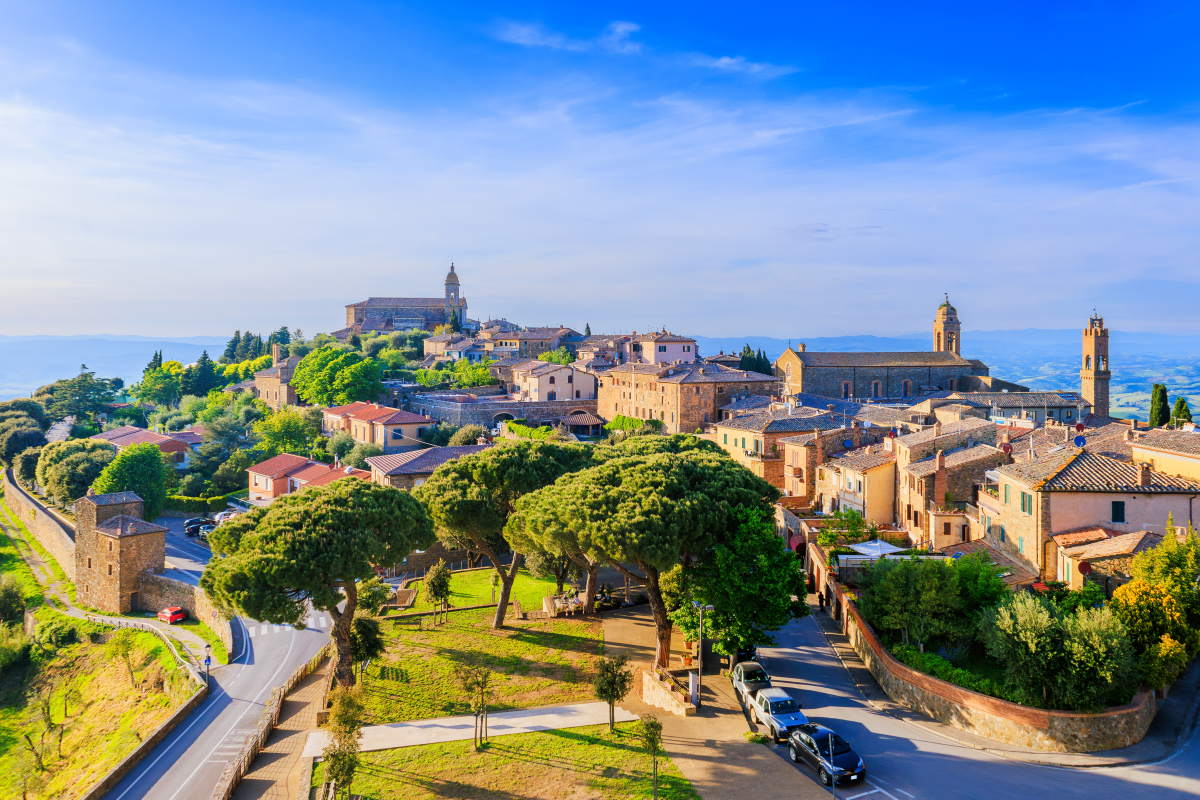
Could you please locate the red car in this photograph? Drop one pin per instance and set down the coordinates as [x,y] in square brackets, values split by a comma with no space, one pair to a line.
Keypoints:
[172,615]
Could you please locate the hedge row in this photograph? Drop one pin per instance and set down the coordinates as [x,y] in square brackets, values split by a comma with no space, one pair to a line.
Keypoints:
[526,432]
[194,505]
[623,423]
[943,670]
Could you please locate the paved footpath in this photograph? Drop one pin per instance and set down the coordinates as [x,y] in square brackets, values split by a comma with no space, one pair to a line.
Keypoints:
[454,729]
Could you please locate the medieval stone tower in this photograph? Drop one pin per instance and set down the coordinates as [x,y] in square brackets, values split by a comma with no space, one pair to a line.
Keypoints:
[1094,375]
[947,330]
[452,295]
[113,546]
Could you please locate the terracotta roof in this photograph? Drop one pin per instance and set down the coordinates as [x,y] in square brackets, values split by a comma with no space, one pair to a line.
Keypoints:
[337,474]
[240,386]
[1107,439]
[1023,399]
[662,336]
[942,358]
[1092,533]
[188,437]
[400,302]
[114,498]
[859,460]
[273,370]
[930,434]
[421,462]
[1076,470]
[582,419]
[781,421]
[117,433]
[757,401]
[1125,544]
[123,525]
[280,465]
[728,359]
[383,415]
[955,458]
[141,436]
[1016,571]
[341,411]
[539,367]
[692,373]
[1186,443]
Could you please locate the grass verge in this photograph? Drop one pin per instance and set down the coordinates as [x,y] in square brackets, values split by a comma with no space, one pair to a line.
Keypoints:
[550,765]
[474,588]
[55,568]
[534,663]
[11,563]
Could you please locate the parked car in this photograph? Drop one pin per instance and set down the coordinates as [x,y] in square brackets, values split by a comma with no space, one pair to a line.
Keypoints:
[172,615]
[220,517]
[749,678]
[827,753]
[196,522]
[778,711]
[193,526]
[205,531]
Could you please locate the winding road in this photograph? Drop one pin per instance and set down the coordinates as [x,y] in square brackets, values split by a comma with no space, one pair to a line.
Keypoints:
[908,762]
[187,763]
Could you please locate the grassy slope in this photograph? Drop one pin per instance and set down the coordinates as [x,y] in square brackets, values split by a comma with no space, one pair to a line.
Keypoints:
[576,762]
[475,588]
[11,563]
[219,652]
[99,732]
[535,663]
[56,569]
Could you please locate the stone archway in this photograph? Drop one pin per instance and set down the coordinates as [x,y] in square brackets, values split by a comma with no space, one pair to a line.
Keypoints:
[503,416]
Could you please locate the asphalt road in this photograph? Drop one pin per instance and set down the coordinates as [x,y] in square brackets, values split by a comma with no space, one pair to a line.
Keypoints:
[906,762]
[186,764]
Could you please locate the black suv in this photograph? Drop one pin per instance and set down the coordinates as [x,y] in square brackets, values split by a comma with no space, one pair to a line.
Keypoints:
[812,744]
[192,526]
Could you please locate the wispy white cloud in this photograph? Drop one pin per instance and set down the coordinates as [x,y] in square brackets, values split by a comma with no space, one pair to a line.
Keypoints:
[615,38]
[267,205]
[741,65]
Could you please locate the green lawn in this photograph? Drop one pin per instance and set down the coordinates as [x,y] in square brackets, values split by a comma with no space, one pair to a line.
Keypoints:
[535,663]
[11,517]
[109,718]
[11,563]
[474,588]
[550,765]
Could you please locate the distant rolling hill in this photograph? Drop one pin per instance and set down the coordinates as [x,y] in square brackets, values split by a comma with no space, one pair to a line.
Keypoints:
[27,362]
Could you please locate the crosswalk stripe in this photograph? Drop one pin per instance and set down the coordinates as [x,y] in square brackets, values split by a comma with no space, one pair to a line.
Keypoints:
[276,627]
[324,622]
[251,631]
[265,630]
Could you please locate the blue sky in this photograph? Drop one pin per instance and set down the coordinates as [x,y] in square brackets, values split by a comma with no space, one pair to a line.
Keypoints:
[797,169]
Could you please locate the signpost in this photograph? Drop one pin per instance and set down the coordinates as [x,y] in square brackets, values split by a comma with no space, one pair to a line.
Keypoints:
[207,661]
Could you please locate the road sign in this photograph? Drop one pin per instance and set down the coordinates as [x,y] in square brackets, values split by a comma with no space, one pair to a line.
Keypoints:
[1084,568]
[207,660]
[1080,427]
[1080,441]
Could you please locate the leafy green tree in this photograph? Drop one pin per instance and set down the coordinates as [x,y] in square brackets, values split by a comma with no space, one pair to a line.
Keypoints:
[560,356]
[231,348]
[156,362]
[314,546]
[613,681]
[466,435]
[1022,634]
[749,579]
[82,397]
[649,733]
[372,594]
[344,727]
[25,465]
[467,374]
[139,469]
[1163,662]
[17,436]
[438,435]
[559,566]
[455,324]
[158,387]
[470,498]
[1102,669]
[915,599]
[12,599]
[232,476]
[358,456]
[437,584]
[284,431]
[1149,611]
[366,638]
[340,444]
[1181,413]
[324,377]
[361,381]
[1160,413]
[980,583]
[845,524]
[1175,566]
[67,469]
[30,408]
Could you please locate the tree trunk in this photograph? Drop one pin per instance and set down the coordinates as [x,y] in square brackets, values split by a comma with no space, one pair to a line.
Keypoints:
[506,582]
[344,664]
[591,569]
[658,609]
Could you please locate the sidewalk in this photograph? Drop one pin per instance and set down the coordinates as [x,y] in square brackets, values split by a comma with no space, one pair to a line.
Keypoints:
[454,729]
[708,748]
[1175,718]
[277,771]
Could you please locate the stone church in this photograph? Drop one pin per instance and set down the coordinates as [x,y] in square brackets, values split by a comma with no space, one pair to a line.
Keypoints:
[387,314]
[891,376]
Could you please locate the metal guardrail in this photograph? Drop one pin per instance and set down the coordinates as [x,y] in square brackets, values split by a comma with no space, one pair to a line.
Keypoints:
[116,622]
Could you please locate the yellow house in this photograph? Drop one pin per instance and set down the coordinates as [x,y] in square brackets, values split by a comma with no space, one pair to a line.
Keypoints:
[1172,452]
[864,480]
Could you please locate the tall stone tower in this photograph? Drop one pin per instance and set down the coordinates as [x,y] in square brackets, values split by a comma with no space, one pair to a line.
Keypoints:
[947,330]
[452,294]
[1094,375]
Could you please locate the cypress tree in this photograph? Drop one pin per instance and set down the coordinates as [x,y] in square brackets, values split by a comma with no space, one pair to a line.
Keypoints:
[283,335]
[155,362]
[747,362]
[244,347]
[455,325]
[257,348]
[1181,413]
[1159,414]
[587,329]
[230,354]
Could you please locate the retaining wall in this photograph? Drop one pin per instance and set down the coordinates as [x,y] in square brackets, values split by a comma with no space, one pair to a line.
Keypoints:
[52,533]
[159,592]
[991,717]
[485,413]
[664,695]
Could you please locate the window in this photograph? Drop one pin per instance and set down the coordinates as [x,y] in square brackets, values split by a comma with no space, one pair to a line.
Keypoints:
[1006,497]
[551,379]
[687,348]
[946,529]
[858,487]
[110,547]
[1087,362]
[576,394]
[1002,533]
[953,384]
[1020,544]
[570,379]
[905,387]
[89,563]
[726,439]
[875,389]
[1118,511]
[110,569]
[662,348]
[845,389]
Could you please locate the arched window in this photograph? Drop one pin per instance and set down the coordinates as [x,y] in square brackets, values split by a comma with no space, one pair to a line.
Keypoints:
[551,379]
[953,384]
[845,389]
[906,387]
[938,340]
[1101,362]
[788,372]
[1087,362]
[875,389]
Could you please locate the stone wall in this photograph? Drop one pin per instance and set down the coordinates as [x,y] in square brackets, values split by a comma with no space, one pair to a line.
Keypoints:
[52,533]
[827,381]
[990,717]
[485,413]
[159,592]
[664,695]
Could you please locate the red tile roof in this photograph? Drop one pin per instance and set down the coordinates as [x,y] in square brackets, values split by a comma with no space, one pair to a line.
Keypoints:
[280,465]
[337,473]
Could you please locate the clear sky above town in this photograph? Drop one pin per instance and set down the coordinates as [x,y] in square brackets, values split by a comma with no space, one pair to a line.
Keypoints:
[788,169]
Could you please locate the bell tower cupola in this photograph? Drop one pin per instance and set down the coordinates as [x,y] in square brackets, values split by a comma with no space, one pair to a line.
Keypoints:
[1094,374]
[947,330]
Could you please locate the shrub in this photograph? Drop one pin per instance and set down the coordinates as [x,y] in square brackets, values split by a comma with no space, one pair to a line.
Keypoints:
[14,645]
[943,670]
[55,633]
[1150,611]
[195,505]
[623,423]
[466,435]
[1163,662]
[357,457]
[12,599]
[527,432]
[25,465]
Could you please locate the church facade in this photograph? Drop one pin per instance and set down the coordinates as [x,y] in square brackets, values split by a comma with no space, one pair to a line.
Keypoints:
[387,314]
[881,376]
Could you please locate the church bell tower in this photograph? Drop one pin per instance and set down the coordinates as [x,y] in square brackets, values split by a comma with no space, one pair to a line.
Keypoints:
[947,330]
[1094,375]
[452,294]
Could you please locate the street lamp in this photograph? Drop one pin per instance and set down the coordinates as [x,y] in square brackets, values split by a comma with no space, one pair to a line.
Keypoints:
[700,654]
[207,661]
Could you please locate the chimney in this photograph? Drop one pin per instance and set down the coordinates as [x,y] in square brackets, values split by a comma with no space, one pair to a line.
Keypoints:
[1143,475]
[937,428]
[830,407]
[939,480]
[91,492]
[1128,435]
[856,433]
[1005,436]
[800,347]
[275,354]
[820,448]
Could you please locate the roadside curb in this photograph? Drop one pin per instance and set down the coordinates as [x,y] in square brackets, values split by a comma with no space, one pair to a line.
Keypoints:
[907,715]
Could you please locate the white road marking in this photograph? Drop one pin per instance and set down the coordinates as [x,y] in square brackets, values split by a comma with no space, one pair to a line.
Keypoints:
[324,622]
[251,631]
[265,630]
[277,628]
[863,794]
[906,794]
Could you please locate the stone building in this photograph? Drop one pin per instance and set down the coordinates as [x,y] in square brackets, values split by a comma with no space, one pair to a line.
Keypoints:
[933,492]
[1108,554]
[1023,506]
[1095,375]
[113,546]
[273,384]
[683,397]
[394,430]
[882,376]
[387,314]
[753,440]
[804,453]
[862,480]
[410,470]
[546,380]
[1175,452]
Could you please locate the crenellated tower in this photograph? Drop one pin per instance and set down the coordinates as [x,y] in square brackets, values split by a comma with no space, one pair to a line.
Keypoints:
[1094,375]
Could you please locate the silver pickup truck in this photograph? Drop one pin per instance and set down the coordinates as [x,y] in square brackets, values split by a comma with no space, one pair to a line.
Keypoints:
[775,709]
